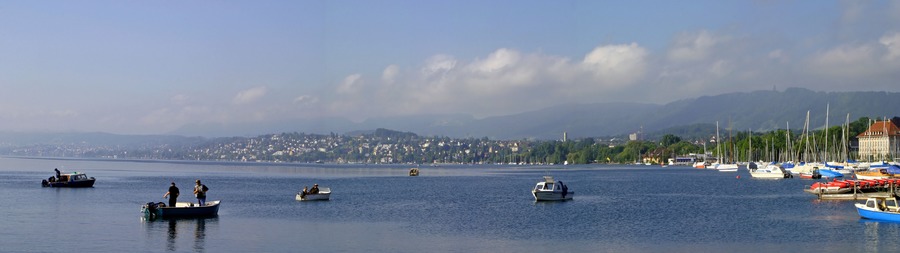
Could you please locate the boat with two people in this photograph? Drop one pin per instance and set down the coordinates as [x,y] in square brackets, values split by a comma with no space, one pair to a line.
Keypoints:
[314,193]
[153,210]
[72,180]
[551,190]
[879,208]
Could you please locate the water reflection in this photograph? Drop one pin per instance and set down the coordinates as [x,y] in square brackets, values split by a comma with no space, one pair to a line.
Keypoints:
[199,235]
[173,233]
[172,230]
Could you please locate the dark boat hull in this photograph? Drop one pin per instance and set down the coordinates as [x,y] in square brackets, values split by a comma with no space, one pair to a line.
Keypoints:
[72,184]
[209,210]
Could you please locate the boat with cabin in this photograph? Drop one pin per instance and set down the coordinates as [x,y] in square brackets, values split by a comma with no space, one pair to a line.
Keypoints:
[771,170]
[551,190]
[879,208]
[72,180]
[180,210]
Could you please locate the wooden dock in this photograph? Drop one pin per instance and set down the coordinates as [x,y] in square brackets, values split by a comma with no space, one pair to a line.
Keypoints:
[851,196]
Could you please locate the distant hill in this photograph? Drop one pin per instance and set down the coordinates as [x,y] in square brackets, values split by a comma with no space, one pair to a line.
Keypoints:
[757,110]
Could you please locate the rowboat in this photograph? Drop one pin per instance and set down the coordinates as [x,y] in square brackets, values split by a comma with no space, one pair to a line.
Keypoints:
[180,210]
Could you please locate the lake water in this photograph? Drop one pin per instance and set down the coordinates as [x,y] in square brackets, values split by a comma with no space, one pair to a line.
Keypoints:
[445,209]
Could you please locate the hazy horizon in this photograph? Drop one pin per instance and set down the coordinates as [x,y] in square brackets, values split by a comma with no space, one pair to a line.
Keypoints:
[153,67]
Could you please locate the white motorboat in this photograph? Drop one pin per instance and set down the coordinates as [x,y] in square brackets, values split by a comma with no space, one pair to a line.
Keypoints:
[770,171]
[323,194]
[727,167]
[551,190]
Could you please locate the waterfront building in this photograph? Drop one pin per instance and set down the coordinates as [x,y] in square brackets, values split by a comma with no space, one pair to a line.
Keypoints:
[881,141]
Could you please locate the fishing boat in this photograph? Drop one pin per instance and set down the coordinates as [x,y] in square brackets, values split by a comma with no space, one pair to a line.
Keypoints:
[74,179]
[551,190]
[323,194]
[879,208]
[180,210]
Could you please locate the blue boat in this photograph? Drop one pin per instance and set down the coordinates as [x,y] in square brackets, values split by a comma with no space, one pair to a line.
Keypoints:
[879,208]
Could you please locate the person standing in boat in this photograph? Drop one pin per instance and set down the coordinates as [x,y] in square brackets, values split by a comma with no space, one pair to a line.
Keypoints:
[172,194]
[57,173]
[200,191]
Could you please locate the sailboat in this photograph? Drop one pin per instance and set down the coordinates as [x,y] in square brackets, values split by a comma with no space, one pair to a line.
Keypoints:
[730,166]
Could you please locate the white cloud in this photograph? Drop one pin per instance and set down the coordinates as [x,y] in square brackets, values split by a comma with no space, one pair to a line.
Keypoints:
[689,47]
[438,64]
[496,61]
[616,64]
[892,43]
[351,84]
[389,75]
[249,95]
[306,99]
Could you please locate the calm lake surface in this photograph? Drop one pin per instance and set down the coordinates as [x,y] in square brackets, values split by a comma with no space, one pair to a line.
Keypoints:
[377,208]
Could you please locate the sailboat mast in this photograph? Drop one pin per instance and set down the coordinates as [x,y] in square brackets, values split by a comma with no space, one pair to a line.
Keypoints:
[825,157]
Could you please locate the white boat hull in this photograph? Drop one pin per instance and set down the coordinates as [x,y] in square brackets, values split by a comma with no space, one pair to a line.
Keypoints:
[551,195]
[324,194]
[727,167]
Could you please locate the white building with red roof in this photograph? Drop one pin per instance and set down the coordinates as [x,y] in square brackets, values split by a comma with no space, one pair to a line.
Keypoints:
[881,141]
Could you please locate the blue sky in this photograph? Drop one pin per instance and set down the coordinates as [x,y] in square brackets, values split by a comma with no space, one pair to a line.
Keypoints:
[150,67]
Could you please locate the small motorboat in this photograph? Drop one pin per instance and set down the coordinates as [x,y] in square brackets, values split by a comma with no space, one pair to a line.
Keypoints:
[180,210]
[414,172]
[769,171]
[551,190]
[74,179]
[323,194]
[879,208]
[814,174]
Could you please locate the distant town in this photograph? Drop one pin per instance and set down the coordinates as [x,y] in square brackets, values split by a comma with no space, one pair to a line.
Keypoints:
[863,139]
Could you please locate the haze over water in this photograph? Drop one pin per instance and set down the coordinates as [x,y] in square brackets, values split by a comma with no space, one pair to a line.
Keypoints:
[446,209]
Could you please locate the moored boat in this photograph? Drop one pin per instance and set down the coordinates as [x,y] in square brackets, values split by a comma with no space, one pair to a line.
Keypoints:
[180,210]
[879,208]
[700,165]
[74,179]
[323,194]
[551,190]
[769,171]
[727,167]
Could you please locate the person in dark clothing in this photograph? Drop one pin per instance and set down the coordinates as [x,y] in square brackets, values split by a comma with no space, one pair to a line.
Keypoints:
[314,189]
[304,192]
[57,172]
[172,194]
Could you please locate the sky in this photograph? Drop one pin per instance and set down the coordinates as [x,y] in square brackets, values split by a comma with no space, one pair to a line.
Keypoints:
[151,67]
